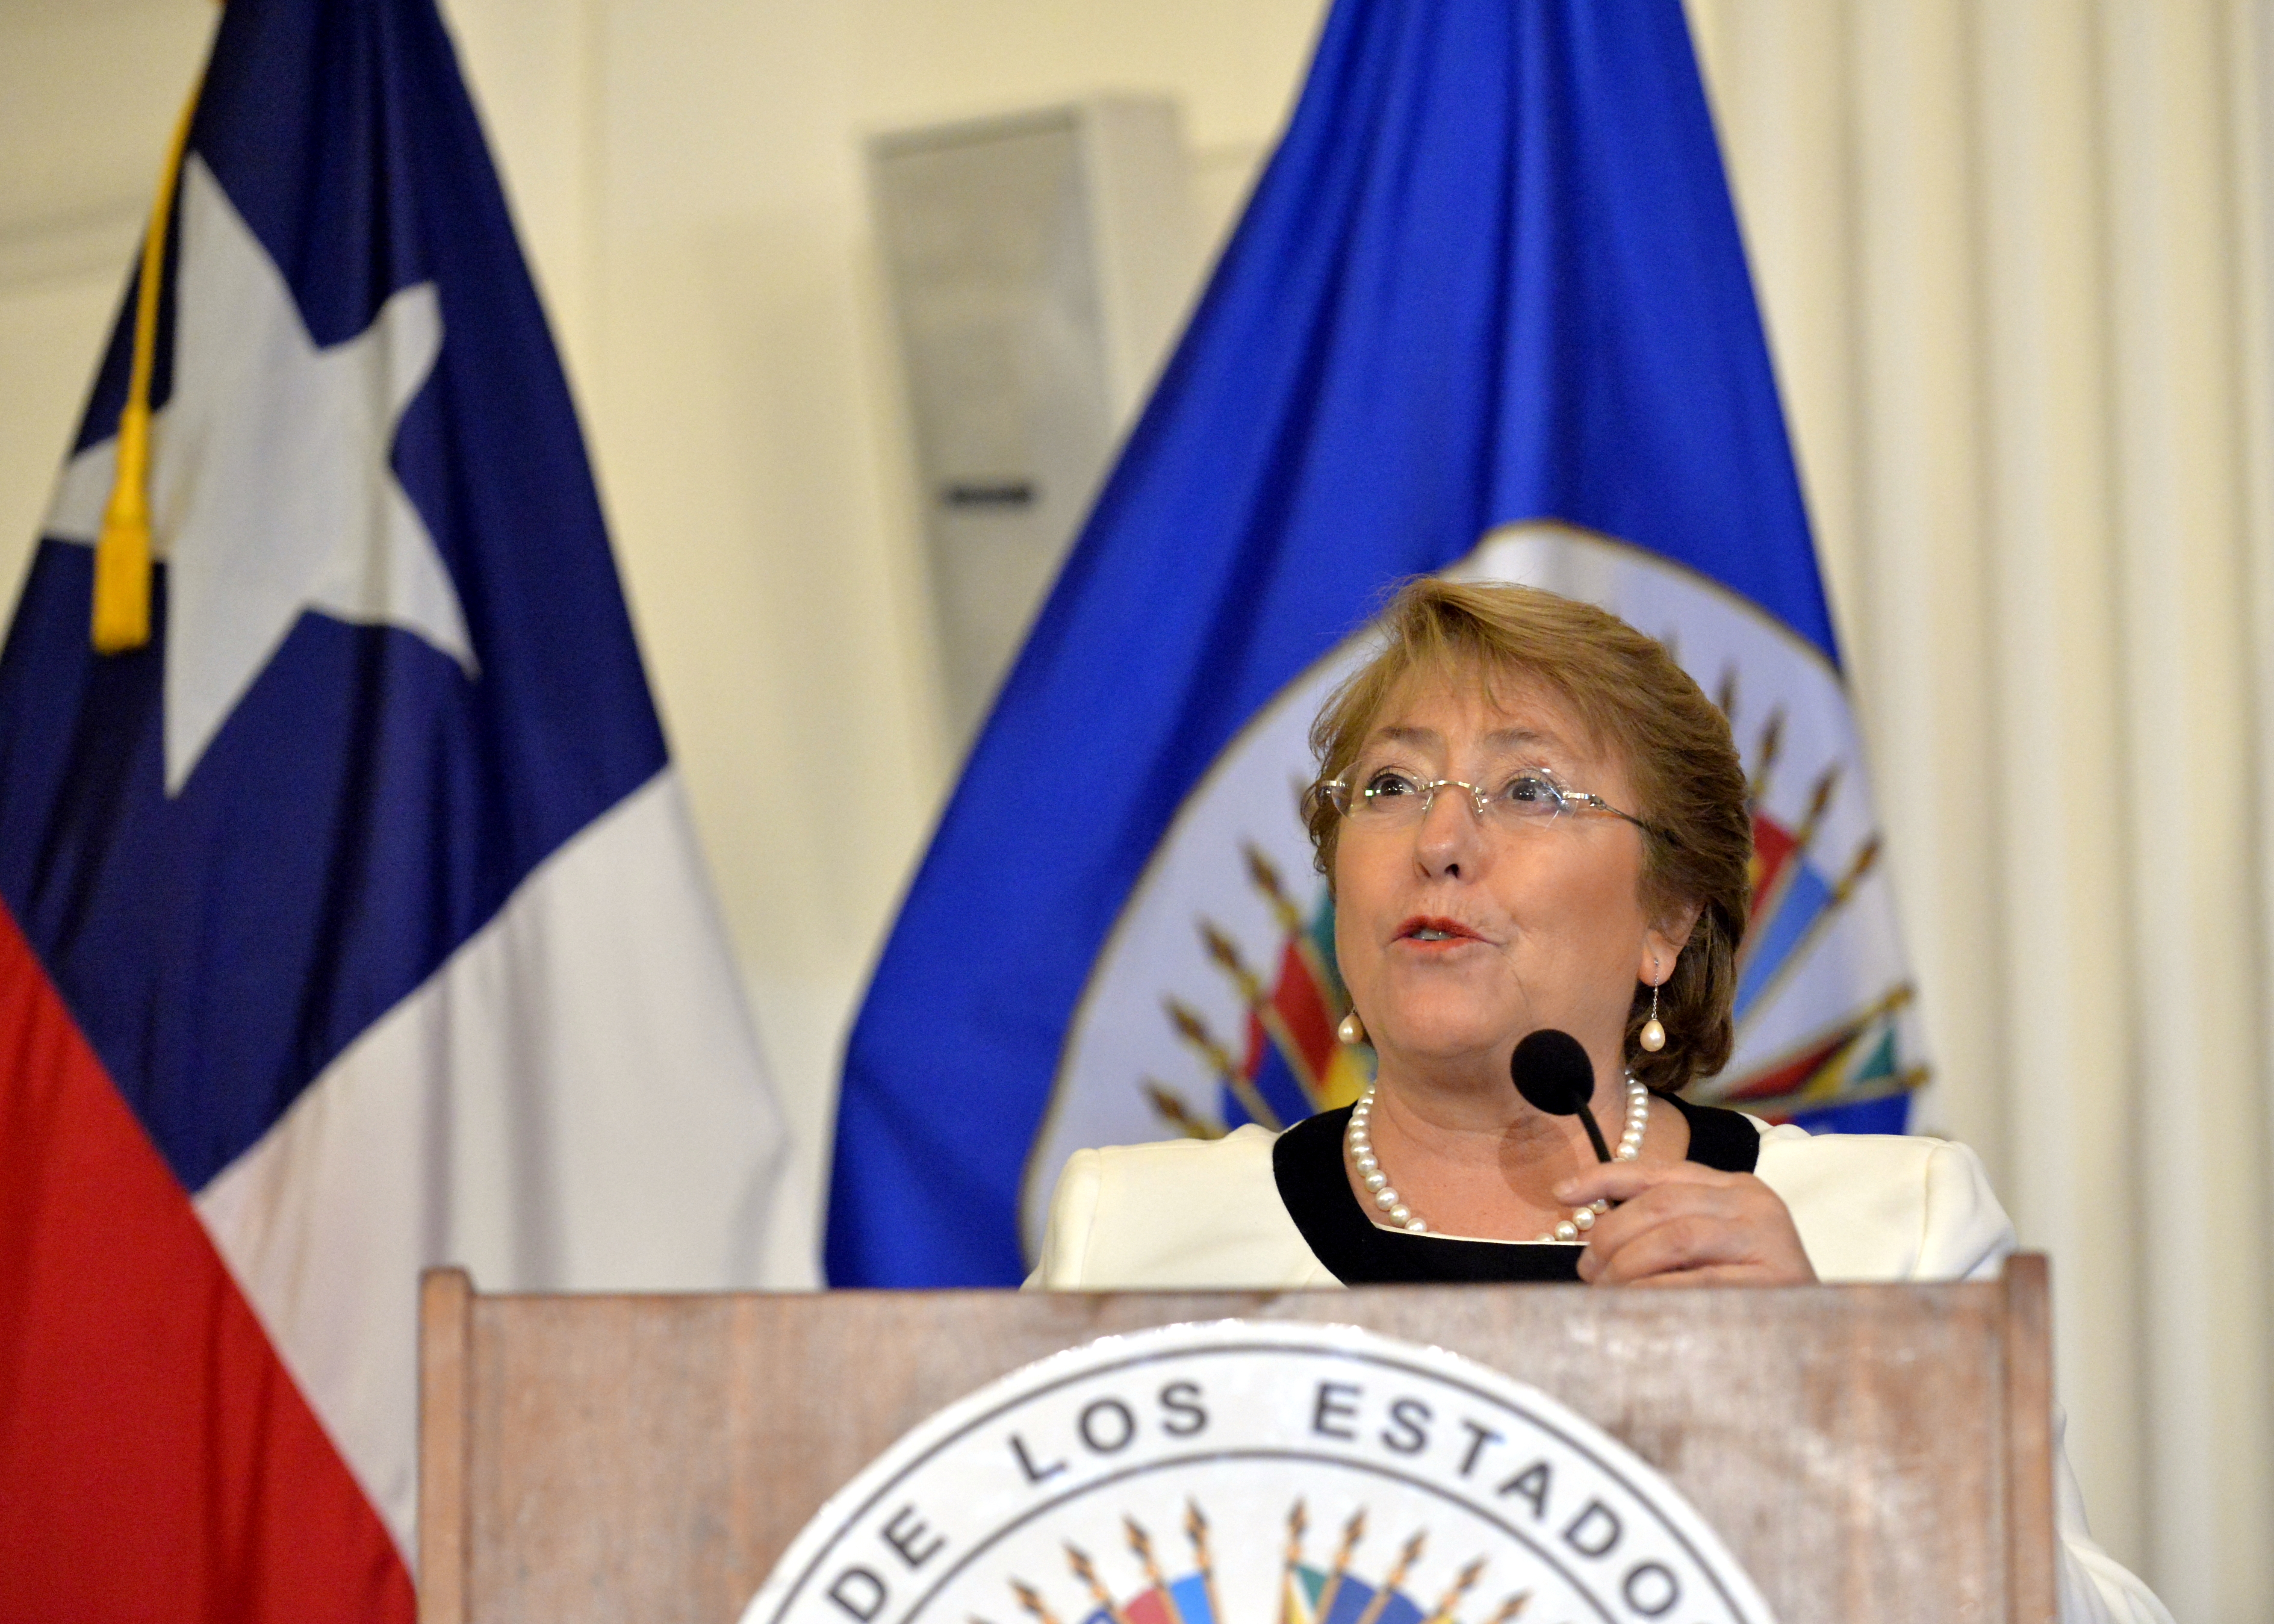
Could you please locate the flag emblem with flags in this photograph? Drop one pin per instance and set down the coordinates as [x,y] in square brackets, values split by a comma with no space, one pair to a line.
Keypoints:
[352,917]
[1487,315]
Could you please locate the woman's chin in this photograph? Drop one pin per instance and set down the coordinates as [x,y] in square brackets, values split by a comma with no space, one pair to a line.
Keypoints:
[1437,1046]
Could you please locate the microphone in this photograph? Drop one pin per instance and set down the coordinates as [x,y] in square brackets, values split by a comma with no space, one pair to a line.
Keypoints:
[1552,1072]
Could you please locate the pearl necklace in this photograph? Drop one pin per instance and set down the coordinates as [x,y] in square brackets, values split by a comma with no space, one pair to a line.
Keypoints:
[1358,1143]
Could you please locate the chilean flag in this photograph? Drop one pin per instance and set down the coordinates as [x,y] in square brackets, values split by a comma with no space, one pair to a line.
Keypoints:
[354,923]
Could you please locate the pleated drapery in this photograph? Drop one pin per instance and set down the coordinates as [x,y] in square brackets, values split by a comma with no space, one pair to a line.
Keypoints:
[2013,259]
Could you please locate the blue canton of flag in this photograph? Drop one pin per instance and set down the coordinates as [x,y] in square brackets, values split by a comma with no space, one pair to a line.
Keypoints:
[1487,315]
[356,917]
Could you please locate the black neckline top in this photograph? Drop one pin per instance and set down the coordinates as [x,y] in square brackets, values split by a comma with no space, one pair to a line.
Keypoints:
[1307,1164]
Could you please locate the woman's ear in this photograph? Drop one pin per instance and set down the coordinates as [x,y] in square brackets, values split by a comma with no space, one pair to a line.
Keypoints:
[1663,942]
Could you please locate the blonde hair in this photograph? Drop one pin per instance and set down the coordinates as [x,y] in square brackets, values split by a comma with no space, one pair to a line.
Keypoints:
[1633,699]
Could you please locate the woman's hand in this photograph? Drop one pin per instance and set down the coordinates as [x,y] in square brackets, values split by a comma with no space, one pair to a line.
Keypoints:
[1681,1224]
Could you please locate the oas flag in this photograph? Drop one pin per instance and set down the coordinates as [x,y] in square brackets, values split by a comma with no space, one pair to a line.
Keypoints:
[1487,315]
[352,918]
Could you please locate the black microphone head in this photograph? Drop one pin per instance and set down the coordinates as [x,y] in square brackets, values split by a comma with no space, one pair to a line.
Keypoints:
[1552,1072]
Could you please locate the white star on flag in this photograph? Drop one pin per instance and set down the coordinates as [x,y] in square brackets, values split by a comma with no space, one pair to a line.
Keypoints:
[270,489]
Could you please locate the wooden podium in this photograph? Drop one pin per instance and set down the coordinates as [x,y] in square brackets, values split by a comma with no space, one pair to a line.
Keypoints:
[1869,1453]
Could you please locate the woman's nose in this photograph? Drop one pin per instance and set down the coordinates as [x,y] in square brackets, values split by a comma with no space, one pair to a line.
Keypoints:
[1449,834]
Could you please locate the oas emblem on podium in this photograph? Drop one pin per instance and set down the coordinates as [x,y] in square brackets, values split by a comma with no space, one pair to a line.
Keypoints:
[1239,1473]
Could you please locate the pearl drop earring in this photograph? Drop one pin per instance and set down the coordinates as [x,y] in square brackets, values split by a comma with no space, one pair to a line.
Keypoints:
[1352,1029]
[1652,1037]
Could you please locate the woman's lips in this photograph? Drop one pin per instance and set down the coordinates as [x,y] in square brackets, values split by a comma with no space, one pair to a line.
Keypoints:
[1430,932]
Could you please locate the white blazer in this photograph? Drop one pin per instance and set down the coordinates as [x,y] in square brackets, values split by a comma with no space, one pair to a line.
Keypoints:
[1205,1214]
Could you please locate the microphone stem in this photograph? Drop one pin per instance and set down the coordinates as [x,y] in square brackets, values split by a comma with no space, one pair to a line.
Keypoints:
[1594,1133]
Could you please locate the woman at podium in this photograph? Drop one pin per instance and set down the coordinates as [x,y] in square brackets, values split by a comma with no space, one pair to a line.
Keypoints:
[1535,830]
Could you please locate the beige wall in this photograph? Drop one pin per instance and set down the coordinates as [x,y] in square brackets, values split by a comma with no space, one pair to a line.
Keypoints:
[2011,259]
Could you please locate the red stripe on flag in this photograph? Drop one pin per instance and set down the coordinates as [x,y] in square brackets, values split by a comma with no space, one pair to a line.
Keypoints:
[156,1460]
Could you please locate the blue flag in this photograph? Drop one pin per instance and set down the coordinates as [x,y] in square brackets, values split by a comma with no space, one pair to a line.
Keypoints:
[352,923]
[1487,315]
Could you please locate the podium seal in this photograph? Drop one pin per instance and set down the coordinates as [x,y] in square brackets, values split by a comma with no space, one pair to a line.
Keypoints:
[1248,1473]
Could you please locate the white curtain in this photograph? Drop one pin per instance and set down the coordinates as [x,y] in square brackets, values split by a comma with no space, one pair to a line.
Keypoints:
[2013,258]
